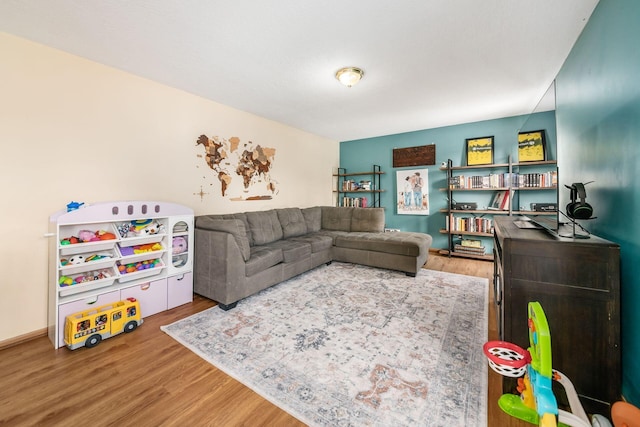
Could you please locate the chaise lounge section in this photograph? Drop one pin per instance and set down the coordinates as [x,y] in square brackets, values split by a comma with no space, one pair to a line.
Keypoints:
[240,254]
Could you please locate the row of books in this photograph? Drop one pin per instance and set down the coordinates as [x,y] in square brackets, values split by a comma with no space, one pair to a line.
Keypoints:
[502,180]
[351,185]
[354,202]
[470,224]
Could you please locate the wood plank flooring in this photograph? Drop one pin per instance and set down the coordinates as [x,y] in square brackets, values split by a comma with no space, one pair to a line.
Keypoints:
[147,379]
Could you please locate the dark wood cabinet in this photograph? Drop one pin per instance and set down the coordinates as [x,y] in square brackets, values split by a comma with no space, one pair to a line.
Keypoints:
[577,282]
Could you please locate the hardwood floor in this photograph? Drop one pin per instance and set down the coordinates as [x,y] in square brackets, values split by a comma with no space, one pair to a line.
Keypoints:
[146,378]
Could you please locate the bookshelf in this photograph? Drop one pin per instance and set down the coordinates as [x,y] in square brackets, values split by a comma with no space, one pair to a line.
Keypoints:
[358,189]
[500,185]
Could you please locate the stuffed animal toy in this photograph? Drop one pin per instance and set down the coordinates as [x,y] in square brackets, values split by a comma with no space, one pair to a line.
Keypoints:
[87,236]
[179,245]
[76,259]
[154,227]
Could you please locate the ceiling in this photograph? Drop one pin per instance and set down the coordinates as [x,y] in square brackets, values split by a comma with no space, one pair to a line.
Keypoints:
[427,63]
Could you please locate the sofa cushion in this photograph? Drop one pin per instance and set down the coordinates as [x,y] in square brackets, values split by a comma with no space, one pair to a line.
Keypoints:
[338,219]
[292,222]
[241,216]
[367,219]
[265,227]
[400,243]
[262,257]
[234,226]
[292,250]
[319,242]
[313,218]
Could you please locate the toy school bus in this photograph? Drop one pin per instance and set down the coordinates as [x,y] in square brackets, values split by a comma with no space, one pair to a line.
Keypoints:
[87,328]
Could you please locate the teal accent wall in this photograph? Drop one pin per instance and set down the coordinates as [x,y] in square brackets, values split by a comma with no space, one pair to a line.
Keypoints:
[598,120]
[360,155]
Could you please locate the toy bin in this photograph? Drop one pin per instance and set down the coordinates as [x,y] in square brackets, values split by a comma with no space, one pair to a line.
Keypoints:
[141,232]
[128,271]
[86,238]
[85,281]
[135,253]
[94,260]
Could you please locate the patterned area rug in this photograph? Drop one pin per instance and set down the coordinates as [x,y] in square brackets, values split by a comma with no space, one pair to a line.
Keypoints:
[349,345]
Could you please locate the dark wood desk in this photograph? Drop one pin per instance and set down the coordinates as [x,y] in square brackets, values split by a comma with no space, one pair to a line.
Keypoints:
[577,282]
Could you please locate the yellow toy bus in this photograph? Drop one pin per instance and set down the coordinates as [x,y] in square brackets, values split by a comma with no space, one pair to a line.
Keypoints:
[87,328]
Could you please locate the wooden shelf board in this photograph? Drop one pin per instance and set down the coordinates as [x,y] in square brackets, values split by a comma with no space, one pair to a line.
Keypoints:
[359,191]
[502,165]
[359,173]
[466,233]
[478,211]
[461,255]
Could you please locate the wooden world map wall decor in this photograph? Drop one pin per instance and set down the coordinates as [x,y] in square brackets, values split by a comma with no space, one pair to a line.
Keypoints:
[414,156]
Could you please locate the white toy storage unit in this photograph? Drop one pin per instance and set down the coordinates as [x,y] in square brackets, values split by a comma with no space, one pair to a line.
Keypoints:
[106,252]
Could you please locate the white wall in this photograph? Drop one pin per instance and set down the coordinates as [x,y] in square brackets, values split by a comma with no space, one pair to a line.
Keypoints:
[75,130]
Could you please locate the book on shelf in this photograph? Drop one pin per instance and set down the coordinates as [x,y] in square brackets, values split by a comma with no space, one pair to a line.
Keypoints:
[472,243]
[501,200]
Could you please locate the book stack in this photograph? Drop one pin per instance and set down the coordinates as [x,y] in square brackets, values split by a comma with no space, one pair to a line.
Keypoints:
[469,246]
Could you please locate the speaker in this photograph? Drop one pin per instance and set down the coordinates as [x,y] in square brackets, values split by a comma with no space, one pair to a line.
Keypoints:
[578,208]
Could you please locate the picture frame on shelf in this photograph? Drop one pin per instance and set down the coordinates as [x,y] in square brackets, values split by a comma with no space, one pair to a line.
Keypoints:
[531,146]
[479,151]
[412,191]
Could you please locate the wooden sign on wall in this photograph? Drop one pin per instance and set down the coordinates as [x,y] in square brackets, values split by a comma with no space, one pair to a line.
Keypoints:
[414,156]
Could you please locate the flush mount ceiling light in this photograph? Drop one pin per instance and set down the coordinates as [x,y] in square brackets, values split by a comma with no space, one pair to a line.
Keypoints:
[349,76]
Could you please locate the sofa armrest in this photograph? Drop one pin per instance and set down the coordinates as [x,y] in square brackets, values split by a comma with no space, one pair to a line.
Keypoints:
[218,265]
[236,227]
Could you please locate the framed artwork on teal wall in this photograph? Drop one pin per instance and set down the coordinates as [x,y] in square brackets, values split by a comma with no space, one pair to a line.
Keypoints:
[412,191]
[480,151]
[531,146]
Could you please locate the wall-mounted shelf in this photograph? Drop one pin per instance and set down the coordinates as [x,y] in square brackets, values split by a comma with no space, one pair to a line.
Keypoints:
[503,179]
[369,187]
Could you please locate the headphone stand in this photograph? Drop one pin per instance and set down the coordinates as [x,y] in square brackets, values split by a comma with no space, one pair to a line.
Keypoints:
[575,235]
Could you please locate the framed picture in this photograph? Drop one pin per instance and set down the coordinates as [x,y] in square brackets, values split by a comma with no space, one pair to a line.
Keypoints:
[412,191]
[480,151]
[531,146]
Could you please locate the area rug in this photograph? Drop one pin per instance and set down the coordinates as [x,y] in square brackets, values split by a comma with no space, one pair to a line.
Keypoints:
[349,345]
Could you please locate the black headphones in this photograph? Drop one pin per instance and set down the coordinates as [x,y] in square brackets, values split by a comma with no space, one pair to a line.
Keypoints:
[578,209]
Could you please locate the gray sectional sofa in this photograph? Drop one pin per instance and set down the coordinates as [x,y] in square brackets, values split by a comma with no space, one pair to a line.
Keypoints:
[237,255]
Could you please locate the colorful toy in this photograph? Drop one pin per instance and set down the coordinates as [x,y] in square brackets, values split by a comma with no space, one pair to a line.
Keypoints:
[536,403]
[72,206]
[153,227]
[151,247]
[105,235]
[138,266]
[90,276]
[87,236]
[140,227]
[179,245]
[87,328]
[76,259]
